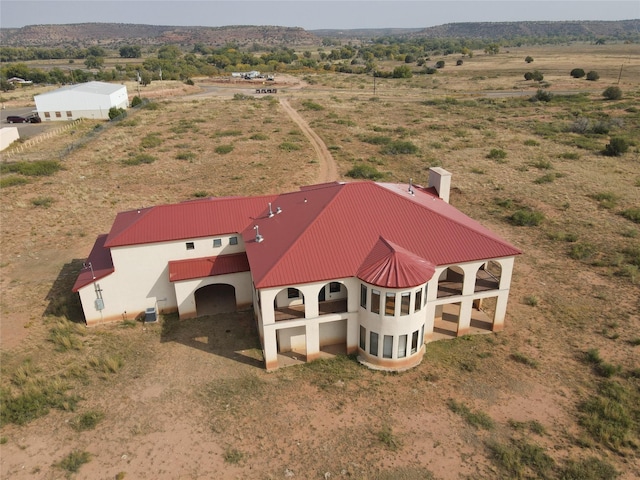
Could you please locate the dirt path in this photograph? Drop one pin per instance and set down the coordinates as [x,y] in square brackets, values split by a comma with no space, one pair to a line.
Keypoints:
[328,169]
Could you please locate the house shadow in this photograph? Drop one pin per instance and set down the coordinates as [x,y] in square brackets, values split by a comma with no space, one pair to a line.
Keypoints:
[62,302]
[230,335]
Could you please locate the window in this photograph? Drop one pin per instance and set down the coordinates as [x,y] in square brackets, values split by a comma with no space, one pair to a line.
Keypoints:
[402,346]
[387,346]
[363,296]
[47,114]
[217,242]
[375,301]
[422,335]
[233,240]
[293,293]
[390,304]
[373,344]
[334,287]
[190,245]
[363,337]
[58,115]
[418,304]
[404,304]
[69,114]
[414,342]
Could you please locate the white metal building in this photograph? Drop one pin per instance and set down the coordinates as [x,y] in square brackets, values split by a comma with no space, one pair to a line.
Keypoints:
[85,100]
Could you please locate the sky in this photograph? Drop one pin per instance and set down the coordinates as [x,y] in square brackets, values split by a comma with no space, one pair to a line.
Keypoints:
[309,14]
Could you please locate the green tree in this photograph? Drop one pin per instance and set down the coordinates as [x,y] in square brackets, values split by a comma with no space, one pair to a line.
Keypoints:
[96,51]
[528,59]
[492,49]
[130,51]
[616,147]
[403,71]
[440,64]
[94,62]
[612,93]
[537,76]
[577,73]
[593,76]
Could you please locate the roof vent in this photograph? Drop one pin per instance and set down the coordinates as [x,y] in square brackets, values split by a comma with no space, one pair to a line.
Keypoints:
[270,211]
[410,189]
[259,238]
[278,210]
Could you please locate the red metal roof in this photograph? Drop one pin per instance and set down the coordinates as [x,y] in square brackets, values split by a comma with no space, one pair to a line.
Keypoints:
[208,266]
[101,263]
[327,232]
[179,221]
[389,265]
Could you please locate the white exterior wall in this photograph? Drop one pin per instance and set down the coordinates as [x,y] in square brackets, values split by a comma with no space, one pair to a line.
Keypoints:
[185,291]
[8,135]
[141,277]
[81,104]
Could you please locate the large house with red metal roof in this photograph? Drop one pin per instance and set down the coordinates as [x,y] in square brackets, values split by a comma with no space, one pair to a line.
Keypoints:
[374,268]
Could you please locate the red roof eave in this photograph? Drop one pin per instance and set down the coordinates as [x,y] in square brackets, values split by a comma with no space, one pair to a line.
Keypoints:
[98,265]
[208,266]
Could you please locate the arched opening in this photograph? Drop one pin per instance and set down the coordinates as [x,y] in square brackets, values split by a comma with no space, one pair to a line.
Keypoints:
[288,304]
[214,299]
[450,282]
[332,298]
[488,276]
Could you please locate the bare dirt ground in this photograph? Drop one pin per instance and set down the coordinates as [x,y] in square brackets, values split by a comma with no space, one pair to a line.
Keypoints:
[190,400]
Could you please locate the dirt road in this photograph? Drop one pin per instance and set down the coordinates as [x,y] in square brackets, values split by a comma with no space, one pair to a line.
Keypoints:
[328,169]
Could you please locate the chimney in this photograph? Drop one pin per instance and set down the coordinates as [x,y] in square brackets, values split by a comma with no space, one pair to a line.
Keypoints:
[440,179]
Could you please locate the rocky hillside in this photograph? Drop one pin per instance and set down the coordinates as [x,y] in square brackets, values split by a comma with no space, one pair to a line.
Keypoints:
[113,35]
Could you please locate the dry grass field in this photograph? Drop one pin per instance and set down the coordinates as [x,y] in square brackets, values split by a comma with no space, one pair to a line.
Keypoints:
[555,395]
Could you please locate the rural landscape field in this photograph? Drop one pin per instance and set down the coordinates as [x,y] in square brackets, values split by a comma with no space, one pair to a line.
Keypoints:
[556,395]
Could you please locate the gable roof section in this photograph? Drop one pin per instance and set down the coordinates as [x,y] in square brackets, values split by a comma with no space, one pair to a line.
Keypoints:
[391,266]
[330,235]
[181,221]
[97,88]
[207,266]
[101,262]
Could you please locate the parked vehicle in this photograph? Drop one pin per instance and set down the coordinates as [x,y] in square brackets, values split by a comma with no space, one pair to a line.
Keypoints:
[34,119]
[16,119]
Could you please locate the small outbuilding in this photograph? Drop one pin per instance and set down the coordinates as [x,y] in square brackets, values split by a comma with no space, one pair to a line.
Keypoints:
[90,100]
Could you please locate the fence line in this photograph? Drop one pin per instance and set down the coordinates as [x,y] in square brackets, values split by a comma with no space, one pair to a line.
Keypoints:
[40,138]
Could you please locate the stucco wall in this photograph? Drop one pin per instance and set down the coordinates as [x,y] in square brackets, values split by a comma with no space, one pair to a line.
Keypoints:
[8,135]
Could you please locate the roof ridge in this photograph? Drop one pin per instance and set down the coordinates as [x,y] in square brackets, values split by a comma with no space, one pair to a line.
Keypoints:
[307,226]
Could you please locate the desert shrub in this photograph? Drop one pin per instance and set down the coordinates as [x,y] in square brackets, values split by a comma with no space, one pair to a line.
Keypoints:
[115,112]
[477,419]
[523,359]
[151,106]
[542,96]
[593,76]
[581,251]
[591,468]
[185,156]
[403,71]
[526,218]
[430,70]
[632,214]
[600,128]
[612,93]
[518,456]
[38,168]
[312,105]
[223,149]
[577,73]
[87,421]
[387,438]
[135,101]
[34,400]
[399,147]
[365,171]
[528,59]
[531,143]
[375,139]
[497,154]
[72,462]
[531,300]
[151,140]
[139,159]
[459,62]
[616,147]
[605,199]
[12,181]
[258,136]
[233,456]
[42,202]
[200,194]
[440,64]
[546,178]
[289,146]
[528,76]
